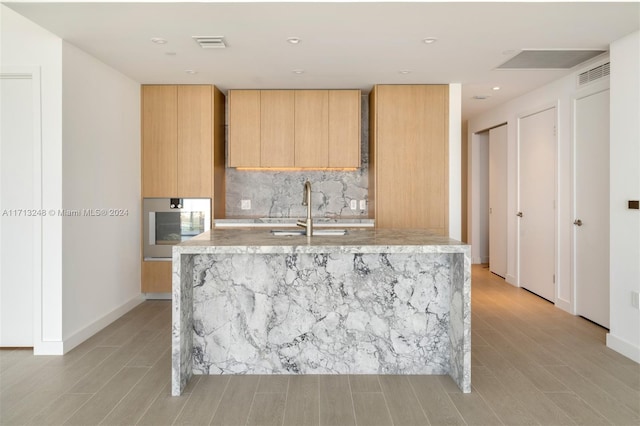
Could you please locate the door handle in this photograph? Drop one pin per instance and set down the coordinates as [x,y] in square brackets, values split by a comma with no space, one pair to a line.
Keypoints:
[577,222]
[519,214]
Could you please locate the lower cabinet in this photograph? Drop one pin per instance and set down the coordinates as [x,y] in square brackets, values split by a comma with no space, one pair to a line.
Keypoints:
[156,277]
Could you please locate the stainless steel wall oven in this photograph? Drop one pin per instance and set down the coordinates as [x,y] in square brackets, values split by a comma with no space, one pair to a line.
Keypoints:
[169,221]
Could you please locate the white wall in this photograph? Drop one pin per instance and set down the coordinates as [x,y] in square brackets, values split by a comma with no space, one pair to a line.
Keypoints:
[101,170]
[24,44]
[479,184]
[455,161]
[624,335]
[90,273]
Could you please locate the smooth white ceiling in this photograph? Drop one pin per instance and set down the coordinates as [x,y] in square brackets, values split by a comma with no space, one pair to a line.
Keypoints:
[344,45]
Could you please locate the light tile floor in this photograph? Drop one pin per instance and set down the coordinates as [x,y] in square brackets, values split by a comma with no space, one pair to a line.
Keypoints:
[532,364]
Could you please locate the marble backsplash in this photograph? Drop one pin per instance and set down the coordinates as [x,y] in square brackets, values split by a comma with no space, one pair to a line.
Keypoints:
[279,193]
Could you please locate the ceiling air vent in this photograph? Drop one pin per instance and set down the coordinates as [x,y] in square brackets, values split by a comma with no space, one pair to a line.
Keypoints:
[549,59]
[210,42]
[594,74]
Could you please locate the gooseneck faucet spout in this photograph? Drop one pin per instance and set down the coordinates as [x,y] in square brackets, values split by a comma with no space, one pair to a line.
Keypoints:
[306,201]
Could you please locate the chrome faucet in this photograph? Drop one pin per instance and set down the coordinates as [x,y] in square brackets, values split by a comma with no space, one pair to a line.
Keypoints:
[306,201]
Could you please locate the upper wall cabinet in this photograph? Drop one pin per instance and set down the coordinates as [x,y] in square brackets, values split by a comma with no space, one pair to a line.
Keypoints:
[179,133]
[294,128]
[409,157]
[159,141]
[276,147]
[244,128]
[344,128]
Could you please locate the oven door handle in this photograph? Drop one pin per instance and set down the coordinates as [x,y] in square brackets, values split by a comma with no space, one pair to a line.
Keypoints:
[152,228]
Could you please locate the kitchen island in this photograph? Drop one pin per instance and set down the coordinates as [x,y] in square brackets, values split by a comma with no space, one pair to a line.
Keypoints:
[370,302]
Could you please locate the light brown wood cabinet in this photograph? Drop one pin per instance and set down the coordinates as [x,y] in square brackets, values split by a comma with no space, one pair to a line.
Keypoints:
[183,154]
[294,128]
[178,139]
[344,128]
[408,169]
[159,141]
[276,128]
[311,128]
[244,128]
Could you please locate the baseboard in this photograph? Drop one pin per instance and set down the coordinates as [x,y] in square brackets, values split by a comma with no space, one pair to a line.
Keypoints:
[476,260]
[564,305]
[511,280]
[157,296]
[623,347]
[83,334]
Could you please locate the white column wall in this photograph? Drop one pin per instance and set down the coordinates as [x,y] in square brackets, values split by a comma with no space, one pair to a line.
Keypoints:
[455,161]
[101,159]
[624,335]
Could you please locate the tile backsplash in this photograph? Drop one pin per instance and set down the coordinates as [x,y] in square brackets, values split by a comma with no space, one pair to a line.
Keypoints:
[279,193]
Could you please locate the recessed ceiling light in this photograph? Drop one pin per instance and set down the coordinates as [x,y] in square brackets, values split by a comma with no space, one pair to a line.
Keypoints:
[294,40]
[496,87]
[404,71]
[429,40]
[297,71]
[191,71]
[481,97]
[159,40]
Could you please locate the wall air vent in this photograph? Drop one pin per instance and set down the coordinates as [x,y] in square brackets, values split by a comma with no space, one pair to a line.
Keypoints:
[594,74]
[210,42]
[549,59]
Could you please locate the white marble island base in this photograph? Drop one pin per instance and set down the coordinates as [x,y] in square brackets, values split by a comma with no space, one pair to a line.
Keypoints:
[371,302]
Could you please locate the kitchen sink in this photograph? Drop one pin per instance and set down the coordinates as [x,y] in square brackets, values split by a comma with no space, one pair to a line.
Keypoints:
[316,232]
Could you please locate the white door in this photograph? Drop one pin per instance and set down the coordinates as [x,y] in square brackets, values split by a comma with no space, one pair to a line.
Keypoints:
[498,200]
[537,203]
[591,231]
[16,226]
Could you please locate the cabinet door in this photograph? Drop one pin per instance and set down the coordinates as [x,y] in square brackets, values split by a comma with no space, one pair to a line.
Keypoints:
[195,141]
[244,128]
[311,128]
[156,277]
[277,128]
[344,128]
[159,141]
[412,157]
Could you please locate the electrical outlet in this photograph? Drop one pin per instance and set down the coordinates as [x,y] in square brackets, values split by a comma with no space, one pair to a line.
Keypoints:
[635,299]
[363,204]
[354,204]
[245,204]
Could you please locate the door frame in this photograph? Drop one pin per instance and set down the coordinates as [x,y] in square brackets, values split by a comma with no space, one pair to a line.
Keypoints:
[591,89]
[33,73]
[556,248]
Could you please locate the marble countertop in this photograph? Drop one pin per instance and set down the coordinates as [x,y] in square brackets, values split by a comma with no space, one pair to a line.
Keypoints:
[260,240]
[287,222]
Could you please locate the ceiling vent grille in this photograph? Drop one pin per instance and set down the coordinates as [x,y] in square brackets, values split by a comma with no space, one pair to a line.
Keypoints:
[210,42]
[549,59]
[594,74]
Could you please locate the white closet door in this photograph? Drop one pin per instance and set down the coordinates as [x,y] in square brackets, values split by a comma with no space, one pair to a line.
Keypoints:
[537,203]
[16,226]
[592,208]
[498,200]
